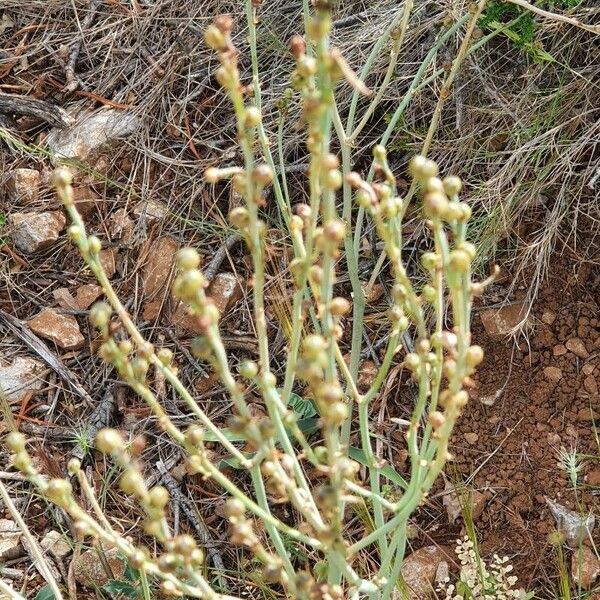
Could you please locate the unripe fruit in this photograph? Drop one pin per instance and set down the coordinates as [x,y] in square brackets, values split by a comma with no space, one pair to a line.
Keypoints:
[100,314]
[435,204]
[109,441]
[460,260]
[262,175]
[452,185]
[194,435]
[337,413]
[158,497]
[165,356]
[75,233]
[333,179]
[239,217]
[248,369]
[339,307]
[234,508]
[187,259]
[59,491]
[422,168]
[379,153]
[62,177]
[474,356]
[412,361]
[313,345]
[211,175]
[252,117]
[132,482]
[15,441]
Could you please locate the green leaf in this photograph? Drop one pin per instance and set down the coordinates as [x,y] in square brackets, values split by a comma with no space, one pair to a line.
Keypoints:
[45,593]
[389,472]
[120,589]
[304,409]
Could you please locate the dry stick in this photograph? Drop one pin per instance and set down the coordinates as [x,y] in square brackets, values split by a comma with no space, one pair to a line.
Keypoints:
[32,546]
[72,79]
[24,105]
[212,267]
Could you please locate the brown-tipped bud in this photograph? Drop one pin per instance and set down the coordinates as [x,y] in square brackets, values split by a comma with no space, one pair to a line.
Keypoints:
[158,497]
[194,435]
[262,175]
[422,346]
[109,441]
[465,212]
[212,175]
[460,261]
[239,217]
[306,66]
[435,204]
[184,545]
[422,168]
[100,314]
[434,185]
[452,185]
[339,306]
[329,393]
[215,38]
[313,345]
[59,491]
[187,259]
[474,356]
[234,508]
[15,441]
[296,223]
[334,230]
[353,179]
[165,356]
[132,483]
[62,177]
[252,117]
[336,413]
[412,361]
[460,398]
[139,368]
[167,563]
[224,23]
[436,419]
[304,211]
[297,46]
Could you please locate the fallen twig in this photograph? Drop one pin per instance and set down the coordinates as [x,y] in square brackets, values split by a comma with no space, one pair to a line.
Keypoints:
[73,81]
[24,105]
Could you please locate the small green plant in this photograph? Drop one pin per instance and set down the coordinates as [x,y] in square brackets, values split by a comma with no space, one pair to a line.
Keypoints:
[429,332]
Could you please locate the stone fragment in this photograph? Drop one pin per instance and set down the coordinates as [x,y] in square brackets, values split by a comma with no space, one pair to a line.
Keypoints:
[61,329]
[157,275]
[151,210]
[108,260]
[559,350]
[225,290]
[454,502]
[587,369]
[120,226]
[419,570]
[585,567]
[577,347]
[85,199]
[35,231]
[89,570]
[572,524]
[471,438]
[366,375]
[64,298]
[10,540]
[548,317]
[553,373]
[587,414]
[590,385]
[593,478]
[86,295]
[20,377]
[501,321]
[24,185]
[90,131]
[55,543]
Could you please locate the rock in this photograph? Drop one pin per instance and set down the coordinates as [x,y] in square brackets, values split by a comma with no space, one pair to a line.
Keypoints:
[577,347]
[585,567]
[184,320]
[10,540]
[471,438]
[24,185]
[553,373]
[548,317]
[225,290]
[157,275]
[574,526]
[366,375]
[63,330]
[419,570]
[372,293]
[593,478]
[120,226]
[35,231]
[86,200]
[559,350]
[86,295]
[56,543]
[588,414]
[20,377]
[590,385]
[587,369]
[91,131]
[151,210]
[89,571]
[501,321]
[108,260]
[455,501]
[64,298]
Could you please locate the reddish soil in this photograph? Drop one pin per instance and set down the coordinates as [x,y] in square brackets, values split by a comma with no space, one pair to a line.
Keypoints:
[545,394]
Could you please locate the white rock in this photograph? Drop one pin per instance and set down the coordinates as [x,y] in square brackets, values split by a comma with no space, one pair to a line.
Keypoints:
[34,231]
[56,543]
[10,540]
[20,377]
[24,185]
[91,131]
